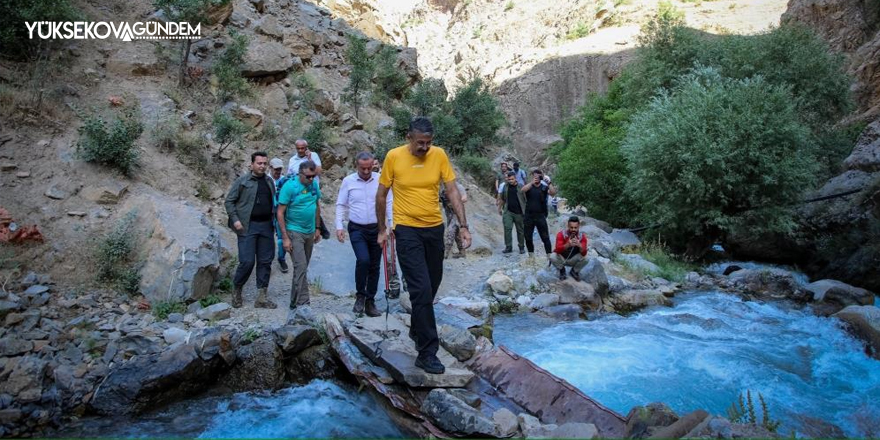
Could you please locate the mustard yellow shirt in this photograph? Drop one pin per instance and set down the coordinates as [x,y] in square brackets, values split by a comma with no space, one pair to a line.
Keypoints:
[416,185]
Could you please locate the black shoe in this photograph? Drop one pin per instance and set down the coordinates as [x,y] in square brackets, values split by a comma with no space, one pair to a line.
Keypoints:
[430,364]
[562,274]
[283,265]
[507,251]
[371,310]
[359,304]
[522,251]
[574,274]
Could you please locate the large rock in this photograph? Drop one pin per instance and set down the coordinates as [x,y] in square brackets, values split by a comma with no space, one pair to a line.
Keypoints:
[594,274]
[544,300]
[252,117]
[864,322]
[837,295]
[770,282]
[295,338]
[455,416]
[866,154]
[638,262]
[181,251]
[500,282]
[259,367]
[506,423]
[325,103]
[563,312]
[576,292]
[408,62]
[477,308]
[625,238]
[23,378]
[215,312]
[458,342]
[565,430]
[642,421]
[266,58]
[633,300]
[682,426]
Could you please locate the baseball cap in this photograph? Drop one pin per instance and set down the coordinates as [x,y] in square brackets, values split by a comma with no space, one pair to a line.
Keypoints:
[276,163]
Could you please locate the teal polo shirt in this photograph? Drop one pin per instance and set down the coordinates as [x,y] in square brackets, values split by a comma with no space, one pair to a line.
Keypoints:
[301,201]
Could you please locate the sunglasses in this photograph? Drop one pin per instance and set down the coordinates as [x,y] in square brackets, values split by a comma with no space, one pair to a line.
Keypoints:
[308,176]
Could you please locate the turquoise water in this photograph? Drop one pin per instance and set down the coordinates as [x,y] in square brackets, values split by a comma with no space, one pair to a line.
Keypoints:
[705,351]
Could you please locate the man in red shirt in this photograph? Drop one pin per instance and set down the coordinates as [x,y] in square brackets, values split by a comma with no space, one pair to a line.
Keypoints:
[570,250]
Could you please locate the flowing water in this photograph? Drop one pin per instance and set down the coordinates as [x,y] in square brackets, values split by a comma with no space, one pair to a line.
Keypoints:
[703,353]
[320,409]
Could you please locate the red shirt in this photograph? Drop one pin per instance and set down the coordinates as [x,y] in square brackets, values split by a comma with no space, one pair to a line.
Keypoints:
[562,238]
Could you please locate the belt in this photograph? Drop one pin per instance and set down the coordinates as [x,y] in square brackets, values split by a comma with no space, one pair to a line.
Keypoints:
[369,226]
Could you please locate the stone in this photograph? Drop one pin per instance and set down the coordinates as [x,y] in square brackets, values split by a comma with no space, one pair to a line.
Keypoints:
[295,338]
[455,416]
[56,193]
[266,58]
[770,282]
[250,116]
[575,292]
[174,318]
[219,13]
[193,308]
[866,154]
[14,346]
[174,335]
[594,275]
[544,300]
[215,312]
[528,424]
[566,430]
[471,398]
[408,63]
[259,367]
[458,342]
[637,262]
[275,101]
[633,300]
[506,423]
[269,26]
[135,58]
[9,416]
[26,377]
[7,306]
[563,312]
[477,308]
[864,323]
[137,344]
[108,193]
[35,290]
[625,238]
[183,246]
[682,426]
[500,282]
[349,123]
[642,421]
[712,427]
[324,103]
[405,302]
[77,213]
[838,292]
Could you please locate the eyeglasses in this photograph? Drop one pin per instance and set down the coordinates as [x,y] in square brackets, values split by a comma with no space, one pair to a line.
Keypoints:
[307,176]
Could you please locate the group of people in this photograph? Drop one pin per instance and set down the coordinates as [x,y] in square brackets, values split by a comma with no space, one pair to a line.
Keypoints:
[269,209]
[523,202]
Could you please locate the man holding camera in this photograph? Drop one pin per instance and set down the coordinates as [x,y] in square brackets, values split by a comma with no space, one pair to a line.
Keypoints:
[571,250]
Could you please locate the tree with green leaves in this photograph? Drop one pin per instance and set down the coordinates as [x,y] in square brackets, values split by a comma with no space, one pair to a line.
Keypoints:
[227,69]
[391,82]
[15,43]
[362,67]
[189,11]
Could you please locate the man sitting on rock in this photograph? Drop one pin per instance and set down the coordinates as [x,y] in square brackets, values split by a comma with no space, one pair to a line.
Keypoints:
[571,249]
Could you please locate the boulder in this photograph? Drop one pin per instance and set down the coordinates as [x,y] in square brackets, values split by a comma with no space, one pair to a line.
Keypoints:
[633,300]
[594,275]
[864,323]
[637,262]
[500,282]
[268,26]
[528,424]
[576,292]
[24,378]
[215,312]
[838,292]
[544,300]
[458,342]
[325,104]
[173,335]
[642,421]
[772,282]
[866,154]
[182,245]
[295,338]
[135,58]
[408,62]
[106,193]
[265,58]
[299,46]
[250,116]
[275,101]
[218,13]
[349,123]
[566,430]
[259,367]
[506,423]
[477,308]
[563,312]
[682,426]
[455,416]
[624,238]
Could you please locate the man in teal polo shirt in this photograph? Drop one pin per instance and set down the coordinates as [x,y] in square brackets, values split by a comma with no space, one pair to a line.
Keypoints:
[298,213]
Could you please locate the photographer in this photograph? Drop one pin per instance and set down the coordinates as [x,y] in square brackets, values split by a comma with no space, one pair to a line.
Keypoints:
[571,249]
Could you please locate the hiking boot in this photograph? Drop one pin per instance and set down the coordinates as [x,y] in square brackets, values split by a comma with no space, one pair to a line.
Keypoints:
[522,251]
[371,309]
[237,302]
[562,274]
[283,265]
[431,364]
[262,301]
[359,303]
[574,274]
[507,251]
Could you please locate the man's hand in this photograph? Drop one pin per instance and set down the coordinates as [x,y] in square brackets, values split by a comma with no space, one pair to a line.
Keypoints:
[287,244]
[340,235]
[317,236]
[238,226]
[383,235]
[465,236]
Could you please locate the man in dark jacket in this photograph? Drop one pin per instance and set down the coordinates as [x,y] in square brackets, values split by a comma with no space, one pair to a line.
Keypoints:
[535,217]
[250,207]
[511,203]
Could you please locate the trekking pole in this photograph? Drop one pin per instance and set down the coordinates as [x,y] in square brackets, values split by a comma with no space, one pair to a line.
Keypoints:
[388,243]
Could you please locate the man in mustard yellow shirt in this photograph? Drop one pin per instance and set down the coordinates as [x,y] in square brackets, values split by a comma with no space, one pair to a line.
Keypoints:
[414,171]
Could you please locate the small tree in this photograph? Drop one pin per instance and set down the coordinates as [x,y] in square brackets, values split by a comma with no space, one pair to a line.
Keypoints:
[114,146]
[227,69]
[228,131]
[391,83]
[478,115]
[428,96]
[189,11]
[361,72]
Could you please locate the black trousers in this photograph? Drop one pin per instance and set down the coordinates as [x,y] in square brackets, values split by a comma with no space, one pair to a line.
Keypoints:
[420,253]
[369,256]
[257,245]
[532,221]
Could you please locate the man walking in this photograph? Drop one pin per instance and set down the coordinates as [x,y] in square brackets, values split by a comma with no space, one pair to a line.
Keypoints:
[501,177]
[303,154]
[571,249]
[414,171]
[278,176]
[357,203]
[298,213]
[249,206]
[536,192]
[520,174]
[511,201]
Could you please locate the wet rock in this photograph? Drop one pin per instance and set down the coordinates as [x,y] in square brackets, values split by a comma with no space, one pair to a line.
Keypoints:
[638,262]
[314,362]
[563,312]
[731,269]
[576,292]
[266,58]
[215,312]
[500,282]
[295,338]
[772,282]
[455,416]
[839,294]
[259,367]
[642,421]
[544,300]
[506,423]
[864,323]
[594,274]
[632,300]
[458,342]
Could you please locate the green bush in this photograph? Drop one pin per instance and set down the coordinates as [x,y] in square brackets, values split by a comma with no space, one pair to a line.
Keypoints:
[387,140]
[316,135]
[719,154]
[210,300]
[479,168]
[162,309]
[115,256]
[362,68]
[401,115]
[227,69]
[15,42]
[228,131]
[427,97]
[391,82]
[478,114]
[114,146]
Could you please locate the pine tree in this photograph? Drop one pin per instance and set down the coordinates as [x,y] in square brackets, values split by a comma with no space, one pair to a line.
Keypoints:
[362,68]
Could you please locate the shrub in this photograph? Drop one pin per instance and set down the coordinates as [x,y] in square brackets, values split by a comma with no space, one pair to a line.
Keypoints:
[362,68]
[580,30]
[114,146]
[672,267]
[316,135]
[228,131]
[162,309]
[227,69]
[210,300]
[478,114]
[719,155]
[391,82]
[478,167]
[427,97]
[115,256]
[387,139]
[15,42]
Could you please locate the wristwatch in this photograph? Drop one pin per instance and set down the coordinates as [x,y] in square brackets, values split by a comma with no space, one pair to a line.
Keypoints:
[464,227]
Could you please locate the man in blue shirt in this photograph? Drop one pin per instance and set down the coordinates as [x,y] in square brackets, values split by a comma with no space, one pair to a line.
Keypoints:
[298,213]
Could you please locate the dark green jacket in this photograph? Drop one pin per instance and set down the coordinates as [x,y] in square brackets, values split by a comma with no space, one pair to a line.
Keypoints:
[519,195]
[240,199]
